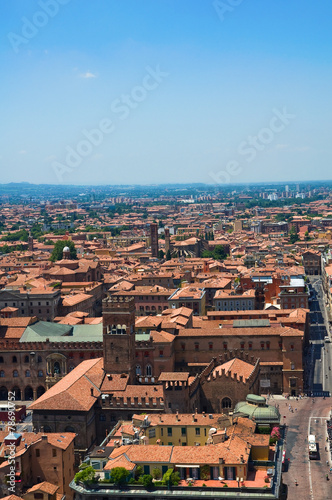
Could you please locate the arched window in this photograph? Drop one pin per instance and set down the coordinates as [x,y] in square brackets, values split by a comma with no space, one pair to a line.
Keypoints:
[14,359]
[40,373]
[17,393]
[40,391]
[1,359]
[39,359]
[15,373]
[3,394]
[226,403]
[71,368]
[2,373]
[47,428]
[70,428]
[28,394]
[27,373]
[148,370]
[138,370]
[26,359]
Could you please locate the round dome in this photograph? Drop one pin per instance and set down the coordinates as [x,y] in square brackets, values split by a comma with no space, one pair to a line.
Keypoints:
[255,409]
[66,249]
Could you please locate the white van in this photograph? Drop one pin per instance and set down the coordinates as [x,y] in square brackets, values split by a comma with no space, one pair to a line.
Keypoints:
[327,339]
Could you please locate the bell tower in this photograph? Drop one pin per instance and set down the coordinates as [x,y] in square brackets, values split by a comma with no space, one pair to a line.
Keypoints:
[119,335]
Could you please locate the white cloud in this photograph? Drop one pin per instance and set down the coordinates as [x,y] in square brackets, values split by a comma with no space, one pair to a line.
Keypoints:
[88,74]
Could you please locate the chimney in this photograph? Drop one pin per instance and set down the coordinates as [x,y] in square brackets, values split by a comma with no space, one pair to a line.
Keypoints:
[177,415]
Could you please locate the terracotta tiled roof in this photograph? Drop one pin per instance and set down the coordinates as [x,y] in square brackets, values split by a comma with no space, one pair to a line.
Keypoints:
[162,337]
[73,392]
[173,376]
[44,487]
[235,366]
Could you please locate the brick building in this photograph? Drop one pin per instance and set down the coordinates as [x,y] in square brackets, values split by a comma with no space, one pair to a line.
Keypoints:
[39,457]
[41,302]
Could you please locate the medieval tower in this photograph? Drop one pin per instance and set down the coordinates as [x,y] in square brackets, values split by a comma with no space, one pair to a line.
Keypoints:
[119,336]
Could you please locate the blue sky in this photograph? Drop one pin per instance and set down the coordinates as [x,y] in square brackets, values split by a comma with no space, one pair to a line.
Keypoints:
[174,91]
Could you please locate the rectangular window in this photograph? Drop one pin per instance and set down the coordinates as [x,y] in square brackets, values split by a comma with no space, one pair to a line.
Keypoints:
[267,345]
[152,433]
[196,346]
[183,347]
[262,345]
[242,345]
[161,353]
[225,346]
[292,347]
[169,431]
[210,346]
[183,431]
[53,452]
[161,431]
[250,346]
[197,431]
[37,452]
[146,469]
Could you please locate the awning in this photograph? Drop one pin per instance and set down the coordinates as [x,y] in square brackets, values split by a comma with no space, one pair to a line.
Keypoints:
[188,466]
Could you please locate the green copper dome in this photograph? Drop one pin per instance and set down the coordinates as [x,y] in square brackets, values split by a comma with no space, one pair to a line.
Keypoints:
[255,407]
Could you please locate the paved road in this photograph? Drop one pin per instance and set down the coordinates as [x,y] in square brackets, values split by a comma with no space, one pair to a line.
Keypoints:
[319,357]
[309,418]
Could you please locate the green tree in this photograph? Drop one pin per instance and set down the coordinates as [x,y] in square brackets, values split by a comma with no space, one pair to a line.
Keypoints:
[293,235]
[58,250]
[86,475]
[218,253]
[171,478]
[156,473]
[119,475]
[147,480]
[161,254]
[138,471]
[168,255]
